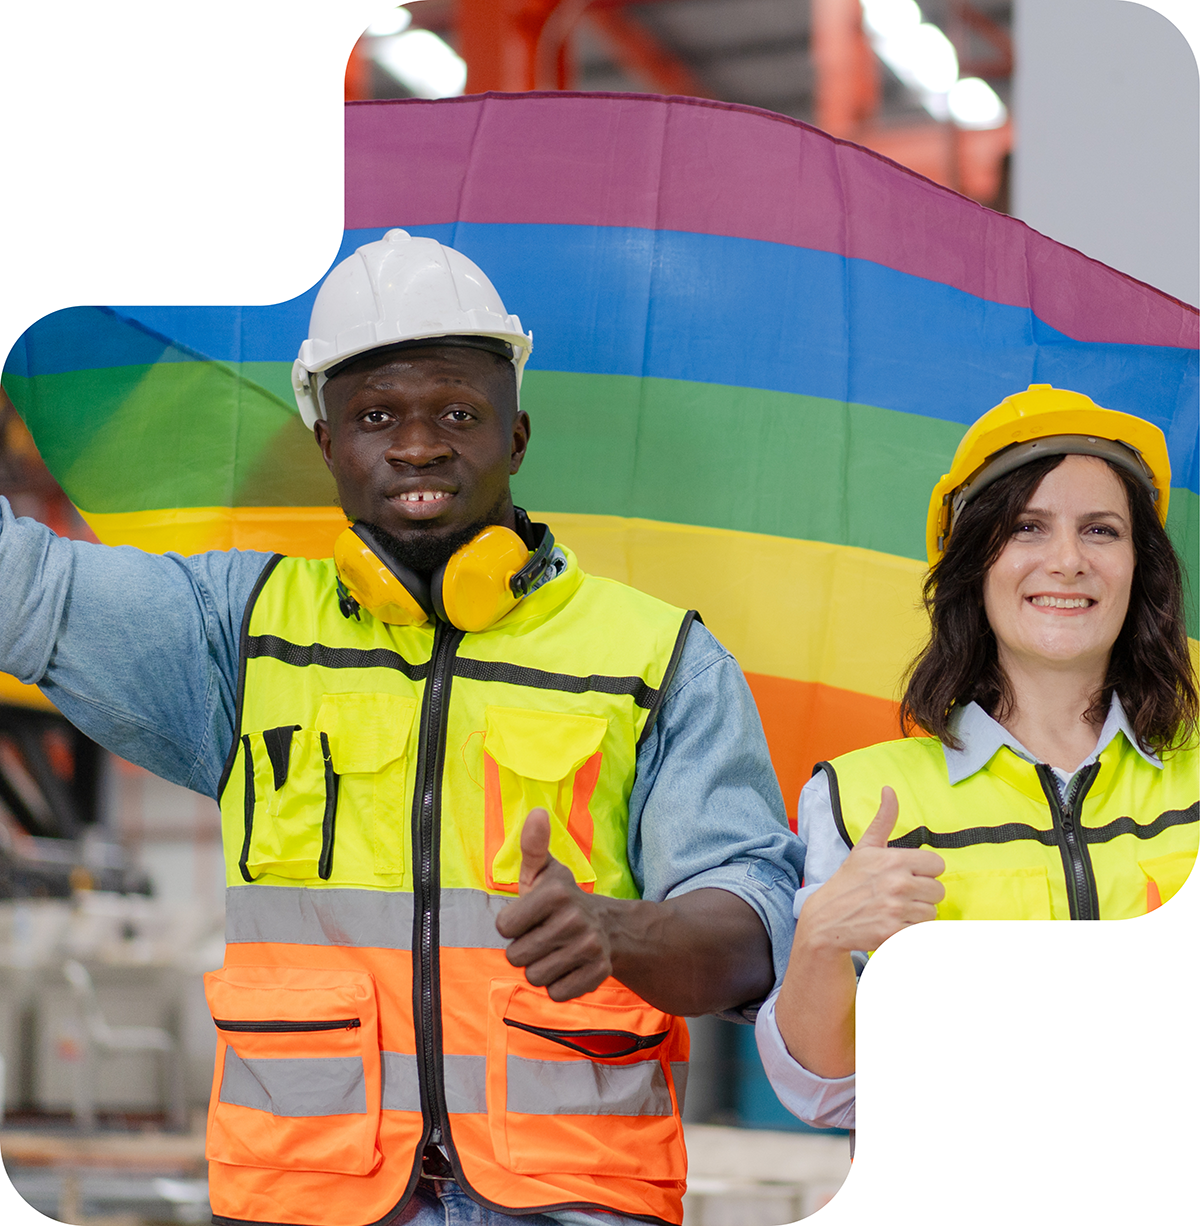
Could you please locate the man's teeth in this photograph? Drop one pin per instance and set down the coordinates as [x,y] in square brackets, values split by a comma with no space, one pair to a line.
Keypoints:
[423,495]
[1061,602]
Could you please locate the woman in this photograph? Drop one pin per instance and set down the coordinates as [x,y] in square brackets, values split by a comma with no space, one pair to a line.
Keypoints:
[1059,779]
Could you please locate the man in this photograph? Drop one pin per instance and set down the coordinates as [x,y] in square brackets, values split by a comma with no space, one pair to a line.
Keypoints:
[491,826]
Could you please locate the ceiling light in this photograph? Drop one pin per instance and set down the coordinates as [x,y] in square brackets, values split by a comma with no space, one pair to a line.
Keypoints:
[973,103]
[423,64]
[888,18]
[394,22]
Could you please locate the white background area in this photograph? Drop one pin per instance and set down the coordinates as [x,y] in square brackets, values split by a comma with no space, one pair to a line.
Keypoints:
[1033,1073]
[1107,160]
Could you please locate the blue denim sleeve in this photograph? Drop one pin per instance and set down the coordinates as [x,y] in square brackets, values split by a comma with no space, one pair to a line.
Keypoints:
[706,810]
[139,650]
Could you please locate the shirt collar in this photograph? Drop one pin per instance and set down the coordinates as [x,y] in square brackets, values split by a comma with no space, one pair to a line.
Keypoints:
[981,737]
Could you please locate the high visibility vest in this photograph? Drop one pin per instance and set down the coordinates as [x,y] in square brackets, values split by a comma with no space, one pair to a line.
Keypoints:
[1120,843]
[372,808]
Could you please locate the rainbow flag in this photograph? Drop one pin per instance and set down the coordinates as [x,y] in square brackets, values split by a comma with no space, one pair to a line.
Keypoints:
[756,348]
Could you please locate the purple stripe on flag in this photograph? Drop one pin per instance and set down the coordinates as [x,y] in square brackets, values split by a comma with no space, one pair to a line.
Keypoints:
[719,168]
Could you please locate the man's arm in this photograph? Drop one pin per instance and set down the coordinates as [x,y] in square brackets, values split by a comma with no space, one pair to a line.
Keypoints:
[138,650]
[705,951]
[708,846]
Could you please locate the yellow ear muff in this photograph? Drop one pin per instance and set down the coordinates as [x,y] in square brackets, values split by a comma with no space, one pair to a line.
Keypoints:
[378,585]
[474,589]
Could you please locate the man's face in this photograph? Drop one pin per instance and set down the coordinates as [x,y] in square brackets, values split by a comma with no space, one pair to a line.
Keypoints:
[422,444]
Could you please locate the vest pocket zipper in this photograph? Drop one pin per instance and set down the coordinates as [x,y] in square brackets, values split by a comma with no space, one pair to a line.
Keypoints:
[598,1044]
[273,1027]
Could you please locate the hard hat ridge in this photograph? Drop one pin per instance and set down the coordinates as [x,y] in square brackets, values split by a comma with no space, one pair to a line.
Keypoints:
[396,291]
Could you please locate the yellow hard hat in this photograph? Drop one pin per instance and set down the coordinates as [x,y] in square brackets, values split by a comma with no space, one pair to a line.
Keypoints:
[1044,421]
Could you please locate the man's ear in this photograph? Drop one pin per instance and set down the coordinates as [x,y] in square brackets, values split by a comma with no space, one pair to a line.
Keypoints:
[325,442]
[520,440]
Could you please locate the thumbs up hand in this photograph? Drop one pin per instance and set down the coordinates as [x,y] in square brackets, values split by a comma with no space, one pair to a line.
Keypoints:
[535,849]
[558,933]
[877,890]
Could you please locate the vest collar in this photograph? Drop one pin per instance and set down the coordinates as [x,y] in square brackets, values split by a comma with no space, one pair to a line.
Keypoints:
[982,738]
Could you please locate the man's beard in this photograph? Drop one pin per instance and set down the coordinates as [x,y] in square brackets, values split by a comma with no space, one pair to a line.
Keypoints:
[424,550]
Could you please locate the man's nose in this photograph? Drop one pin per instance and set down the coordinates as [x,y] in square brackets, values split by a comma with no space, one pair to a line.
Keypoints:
[417,441]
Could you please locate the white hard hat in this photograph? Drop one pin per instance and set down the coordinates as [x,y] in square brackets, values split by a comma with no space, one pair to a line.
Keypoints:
[395,290]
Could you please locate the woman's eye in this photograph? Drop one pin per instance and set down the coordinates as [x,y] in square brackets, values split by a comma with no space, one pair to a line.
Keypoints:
[1025,529]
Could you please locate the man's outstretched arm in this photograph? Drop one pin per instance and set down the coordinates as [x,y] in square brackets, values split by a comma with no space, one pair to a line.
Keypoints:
[699,953]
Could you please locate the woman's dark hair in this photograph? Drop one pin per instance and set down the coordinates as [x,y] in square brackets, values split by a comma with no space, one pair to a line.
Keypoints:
[1150,666]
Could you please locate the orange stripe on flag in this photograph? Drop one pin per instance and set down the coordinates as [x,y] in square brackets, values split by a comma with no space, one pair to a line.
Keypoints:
[807,722]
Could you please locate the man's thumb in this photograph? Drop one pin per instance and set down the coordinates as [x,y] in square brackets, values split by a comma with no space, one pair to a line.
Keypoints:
[535,848]
[884,821]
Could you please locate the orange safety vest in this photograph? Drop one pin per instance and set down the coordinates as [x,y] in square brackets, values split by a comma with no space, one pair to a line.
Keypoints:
[372,808]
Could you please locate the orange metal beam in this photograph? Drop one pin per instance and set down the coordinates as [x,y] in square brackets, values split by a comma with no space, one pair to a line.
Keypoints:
[847,93]
[499,40]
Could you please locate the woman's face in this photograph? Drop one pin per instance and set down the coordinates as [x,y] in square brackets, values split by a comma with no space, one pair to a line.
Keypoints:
[1057,595]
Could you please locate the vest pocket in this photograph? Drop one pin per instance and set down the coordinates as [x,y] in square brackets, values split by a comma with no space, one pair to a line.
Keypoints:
[1016,893]
[539,759]
[368,739]
[297,1080]
[291,803]
[584,1086]
[298,779]
[1165,875]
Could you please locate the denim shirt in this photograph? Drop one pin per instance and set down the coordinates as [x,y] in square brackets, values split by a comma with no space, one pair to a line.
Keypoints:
[829,1102]
[140,651]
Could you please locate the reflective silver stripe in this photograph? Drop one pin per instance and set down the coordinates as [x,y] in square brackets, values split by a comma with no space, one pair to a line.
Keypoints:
[679,1074]
[333,1085]
[466,1084]
[296,915]
[465,1081]
[580,1087]
[370,919]
[468,919]
[401,1087]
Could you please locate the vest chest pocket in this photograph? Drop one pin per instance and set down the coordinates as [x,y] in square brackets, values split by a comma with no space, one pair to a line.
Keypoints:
[331,799]
[297,1080]
[1017,893]
[539,759]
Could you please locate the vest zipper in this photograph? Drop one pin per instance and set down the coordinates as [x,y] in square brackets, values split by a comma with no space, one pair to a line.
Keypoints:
[345,1023]
[1082,895]
[427,812]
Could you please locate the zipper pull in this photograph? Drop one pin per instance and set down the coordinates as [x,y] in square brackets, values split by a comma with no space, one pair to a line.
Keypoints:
[435,1136]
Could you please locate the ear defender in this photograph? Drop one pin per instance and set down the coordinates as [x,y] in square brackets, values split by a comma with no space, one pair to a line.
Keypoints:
[488,577]
[384,587]
[484,580]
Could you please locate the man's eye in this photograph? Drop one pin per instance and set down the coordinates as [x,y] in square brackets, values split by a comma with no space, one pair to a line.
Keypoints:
[459,415]
[376,417]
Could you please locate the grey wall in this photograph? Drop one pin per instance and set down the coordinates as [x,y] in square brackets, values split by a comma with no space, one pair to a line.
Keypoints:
[1107,158]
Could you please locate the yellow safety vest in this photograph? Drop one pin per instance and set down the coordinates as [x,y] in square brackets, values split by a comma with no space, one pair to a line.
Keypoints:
[1121,844]
[372,809]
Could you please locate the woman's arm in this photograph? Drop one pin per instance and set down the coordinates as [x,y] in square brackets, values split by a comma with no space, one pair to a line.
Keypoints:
[877,891]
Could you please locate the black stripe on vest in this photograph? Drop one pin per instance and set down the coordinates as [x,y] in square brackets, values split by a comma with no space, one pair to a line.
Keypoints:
[538,679]
[273,647]
[1012,832]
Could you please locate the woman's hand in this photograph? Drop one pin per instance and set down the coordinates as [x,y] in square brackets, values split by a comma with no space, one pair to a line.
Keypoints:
[877,891]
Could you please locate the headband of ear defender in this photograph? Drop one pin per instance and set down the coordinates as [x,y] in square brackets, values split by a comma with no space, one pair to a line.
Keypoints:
[483,581]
